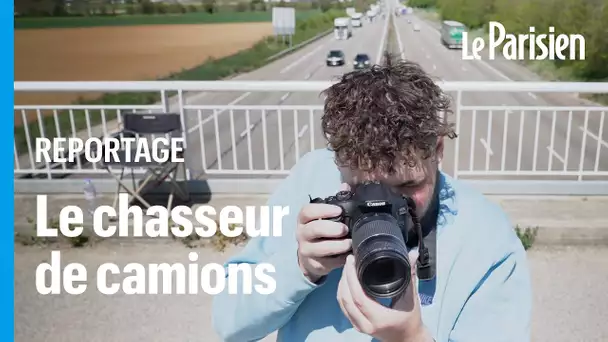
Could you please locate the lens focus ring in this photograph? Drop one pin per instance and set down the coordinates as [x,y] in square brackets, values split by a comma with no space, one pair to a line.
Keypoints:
[381,256]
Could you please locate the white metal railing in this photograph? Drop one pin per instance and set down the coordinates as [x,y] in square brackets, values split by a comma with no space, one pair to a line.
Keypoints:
[293,86]
[532,141]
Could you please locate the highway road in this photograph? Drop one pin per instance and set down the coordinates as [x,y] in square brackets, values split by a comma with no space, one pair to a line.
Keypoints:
[484,142]
[260,133]
[490,139]
[306,64]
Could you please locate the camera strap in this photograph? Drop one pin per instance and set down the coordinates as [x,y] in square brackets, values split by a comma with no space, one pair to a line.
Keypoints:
[428,224]
[429,220]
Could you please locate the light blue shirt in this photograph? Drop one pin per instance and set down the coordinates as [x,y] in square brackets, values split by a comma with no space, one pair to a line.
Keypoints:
[481,291]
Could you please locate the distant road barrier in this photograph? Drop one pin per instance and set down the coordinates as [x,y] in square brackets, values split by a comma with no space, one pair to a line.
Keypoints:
[298,46]
[502,148]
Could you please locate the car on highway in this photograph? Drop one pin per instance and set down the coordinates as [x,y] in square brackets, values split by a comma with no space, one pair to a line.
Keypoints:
[335,58]
[361,61]
[416,27]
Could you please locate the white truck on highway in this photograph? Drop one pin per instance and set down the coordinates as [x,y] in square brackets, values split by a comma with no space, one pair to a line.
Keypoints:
[451,34]
[373,12]
[356,19]
[370,15]
[343,28]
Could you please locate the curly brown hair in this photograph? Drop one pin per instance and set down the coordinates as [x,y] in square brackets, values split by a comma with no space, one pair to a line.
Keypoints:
[386,114]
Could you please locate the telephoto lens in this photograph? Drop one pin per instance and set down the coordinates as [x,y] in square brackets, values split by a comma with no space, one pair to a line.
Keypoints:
[379,232]
[381,256]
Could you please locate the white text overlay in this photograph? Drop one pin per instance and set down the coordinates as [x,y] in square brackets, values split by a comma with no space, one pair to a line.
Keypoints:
[532,46]
[110,150]
[56,277]
[155,278]
[181,221]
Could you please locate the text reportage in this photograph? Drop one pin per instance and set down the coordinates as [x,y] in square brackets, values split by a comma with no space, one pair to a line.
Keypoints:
[61,150]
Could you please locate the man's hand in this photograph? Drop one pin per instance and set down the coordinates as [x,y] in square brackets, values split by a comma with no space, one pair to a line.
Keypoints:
[401,323]
[321,246]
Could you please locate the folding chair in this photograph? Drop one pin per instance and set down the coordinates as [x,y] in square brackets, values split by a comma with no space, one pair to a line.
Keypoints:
[147,126]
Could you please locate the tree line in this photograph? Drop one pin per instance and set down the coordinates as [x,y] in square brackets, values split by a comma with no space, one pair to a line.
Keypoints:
[65,8]
[586,17]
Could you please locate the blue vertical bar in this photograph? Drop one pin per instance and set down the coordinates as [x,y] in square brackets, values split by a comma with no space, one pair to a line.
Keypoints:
[7,204]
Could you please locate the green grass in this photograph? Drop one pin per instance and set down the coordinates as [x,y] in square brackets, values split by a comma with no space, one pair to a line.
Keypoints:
[527,236]
[151,19]
[213,69]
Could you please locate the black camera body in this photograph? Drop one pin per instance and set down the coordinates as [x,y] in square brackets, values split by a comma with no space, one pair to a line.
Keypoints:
[378,221]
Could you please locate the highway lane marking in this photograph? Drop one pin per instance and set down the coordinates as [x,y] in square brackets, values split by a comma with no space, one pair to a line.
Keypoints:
[302,131]
[508,111]
[500,74]
[235,101]
[463,68]
[554,154]
[532,95]
[595,137]
[434,67]
[313,70]
[488,66]
[301,59]
[199,95]
[284,97]
[434,29]
[211,116]
[485,144]
[247,130]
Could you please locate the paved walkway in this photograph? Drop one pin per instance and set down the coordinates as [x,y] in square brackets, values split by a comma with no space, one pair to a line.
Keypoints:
[570,298]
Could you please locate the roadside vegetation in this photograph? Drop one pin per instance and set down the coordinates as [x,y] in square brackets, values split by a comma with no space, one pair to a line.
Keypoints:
[527,235]
[587,17]
[196,17]
[37,14]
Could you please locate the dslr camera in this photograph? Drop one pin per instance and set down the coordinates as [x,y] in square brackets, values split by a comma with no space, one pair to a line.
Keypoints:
[379,221]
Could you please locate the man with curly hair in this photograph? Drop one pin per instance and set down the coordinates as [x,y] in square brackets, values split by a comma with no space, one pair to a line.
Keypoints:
[384,124]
